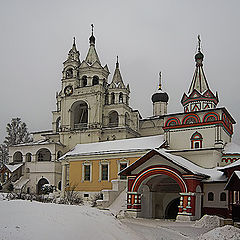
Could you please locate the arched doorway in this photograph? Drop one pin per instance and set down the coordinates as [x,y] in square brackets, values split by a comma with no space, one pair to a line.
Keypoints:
[172,209]
[41,182]
[160,190]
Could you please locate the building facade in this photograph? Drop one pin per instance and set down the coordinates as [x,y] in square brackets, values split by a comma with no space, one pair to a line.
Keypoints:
[170,163]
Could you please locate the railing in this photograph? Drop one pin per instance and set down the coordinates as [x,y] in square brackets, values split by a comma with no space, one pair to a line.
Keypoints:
[80,126]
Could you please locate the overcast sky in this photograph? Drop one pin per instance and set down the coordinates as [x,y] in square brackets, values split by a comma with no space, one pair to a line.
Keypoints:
[149,36]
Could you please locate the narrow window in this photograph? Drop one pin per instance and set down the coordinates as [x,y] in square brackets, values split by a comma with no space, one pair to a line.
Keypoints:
[120,97]
[95,80]
[210,196]
[112,98]
[105,172]
[122,166]
[223,197]
[84,81]
[87,173]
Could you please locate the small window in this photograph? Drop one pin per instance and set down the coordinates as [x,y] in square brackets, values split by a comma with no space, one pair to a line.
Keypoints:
[112,98]
[105,172]
[69,73]
[86,195]
[223,197]
[197,145]
[84,81]
[87,173]
[95,80]
[122,166]
[120,97]
[210,196]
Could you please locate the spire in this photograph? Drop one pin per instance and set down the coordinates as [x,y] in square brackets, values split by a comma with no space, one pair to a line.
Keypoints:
[92,55]
[199,96]
[160,81]
[92,38]
[199,81]
[117,77]
[73,54]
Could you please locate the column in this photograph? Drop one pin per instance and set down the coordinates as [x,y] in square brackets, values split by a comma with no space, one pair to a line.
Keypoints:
[63,182]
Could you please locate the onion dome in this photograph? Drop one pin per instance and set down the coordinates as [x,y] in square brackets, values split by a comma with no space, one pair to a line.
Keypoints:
[160,96]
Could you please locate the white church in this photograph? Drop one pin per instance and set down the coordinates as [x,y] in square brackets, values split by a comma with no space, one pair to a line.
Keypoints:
[179,165]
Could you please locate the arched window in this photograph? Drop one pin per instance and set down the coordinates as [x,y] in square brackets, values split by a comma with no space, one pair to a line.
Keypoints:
[112,98]
[127,119]
[196,140]
[80,115]
[84,81]
[210,196]
[95,80]
[106,99]
[223,197]
[58,124]
[113,119]
[43,155]
[69,73]
[28,157]
[59,154]
[120,97]
[17,157]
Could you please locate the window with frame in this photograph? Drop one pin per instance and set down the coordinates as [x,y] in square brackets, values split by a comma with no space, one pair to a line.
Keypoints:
[223,197]
[87,172]
[210,196]
[104,172]
[122,166]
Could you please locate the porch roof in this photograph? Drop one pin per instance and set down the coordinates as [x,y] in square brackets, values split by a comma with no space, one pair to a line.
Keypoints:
[210,175]
[14,167]
[233,183]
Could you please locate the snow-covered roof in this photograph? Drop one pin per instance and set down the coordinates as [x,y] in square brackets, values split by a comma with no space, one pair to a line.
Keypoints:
[124,145]
[39,142]
[211,174]
[237,173]
[13,168]
[234,164]
[231,148]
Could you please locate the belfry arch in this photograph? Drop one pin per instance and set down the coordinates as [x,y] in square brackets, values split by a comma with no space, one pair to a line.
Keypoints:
[79,115]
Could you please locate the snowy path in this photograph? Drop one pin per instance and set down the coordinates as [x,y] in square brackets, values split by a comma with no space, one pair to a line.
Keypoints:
[155,229]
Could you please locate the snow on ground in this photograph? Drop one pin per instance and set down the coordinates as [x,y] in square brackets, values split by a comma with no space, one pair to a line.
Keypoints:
[208,222]
[222,233]
[25,220]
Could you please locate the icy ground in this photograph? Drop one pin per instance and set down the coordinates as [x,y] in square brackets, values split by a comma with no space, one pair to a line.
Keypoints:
[27,220]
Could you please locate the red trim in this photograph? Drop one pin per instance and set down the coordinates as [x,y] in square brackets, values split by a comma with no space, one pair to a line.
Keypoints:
[191,115]
[211,114]
[157,170]
[202,124]
[172,119]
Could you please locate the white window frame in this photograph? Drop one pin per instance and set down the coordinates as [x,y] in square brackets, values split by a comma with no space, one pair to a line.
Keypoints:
[86,163]
[101,163]
[123,160]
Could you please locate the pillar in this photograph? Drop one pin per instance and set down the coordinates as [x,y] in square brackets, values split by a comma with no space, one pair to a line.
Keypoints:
[64,179]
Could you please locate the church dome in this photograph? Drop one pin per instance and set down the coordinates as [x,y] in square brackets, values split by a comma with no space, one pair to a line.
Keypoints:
[198,56]
[160,96]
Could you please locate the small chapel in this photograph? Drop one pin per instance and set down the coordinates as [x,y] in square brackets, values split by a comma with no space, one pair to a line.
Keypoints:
[174,166]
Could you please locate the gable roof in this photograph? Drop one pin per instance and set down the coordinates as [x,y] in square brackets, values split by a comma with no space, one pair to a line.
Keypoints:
[13,168]
[234,182]
[210,174]
[231,148]
[123,145]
